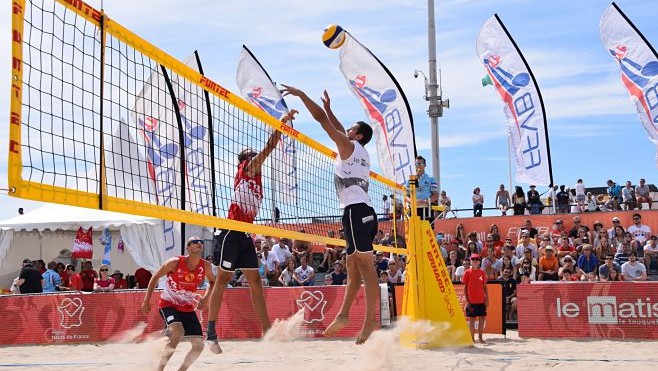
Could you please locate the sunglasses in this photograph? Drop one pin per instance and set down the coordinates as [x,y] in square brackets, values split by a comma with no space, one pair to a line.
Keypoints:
[197,242]
[636,218]
[420,164]
[104,270]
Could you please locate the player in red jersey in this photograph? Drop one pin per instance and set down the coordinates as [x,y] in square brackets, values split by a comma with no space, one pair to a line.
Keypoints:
[179,300]
[476,296]
[234,249]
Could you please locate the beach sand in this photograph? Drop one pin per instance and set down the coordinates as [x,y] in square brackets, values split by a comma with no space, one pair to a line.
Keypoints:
[281,351]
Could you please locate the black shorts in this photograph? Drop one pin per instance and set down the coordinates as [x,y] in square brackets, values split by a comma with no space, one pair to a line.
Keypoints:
[233,250]
[476,310]
[189,320]
[360,225]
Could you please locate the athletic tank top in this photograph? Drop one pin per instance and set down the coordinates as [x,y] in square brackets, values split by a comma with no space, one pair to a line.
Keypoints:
[247,196]
[181,286]
[351,177]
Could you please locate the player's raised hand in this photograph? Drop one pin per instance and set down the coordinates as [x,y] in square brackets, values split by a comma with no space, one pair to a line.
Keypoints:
[291,90]
[326,101]
[289,116]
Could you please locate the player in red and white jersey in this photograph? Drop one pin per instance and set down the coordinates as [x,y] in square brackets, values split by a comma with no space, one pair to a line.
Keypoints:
[180,299]
[234,249]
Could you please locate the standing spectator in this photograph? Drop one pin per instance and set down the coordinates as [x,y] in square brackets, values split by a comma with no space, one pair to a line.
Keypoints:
[120,283]
[502,199]
[63,274]
[269,261]
[338,276]
[142,277]
[51,279]
[104,282]
[534,201]
[286,276]
[304,275]
[40,265]
[548,266]
[427,191]
[628,196]
[633,270]
[29,279]
[580,195]
[88,275]
[614,197]
[519,202]
[478,202]
[563,199]
[606,268]
[509,292]
[75,281]
[640,233]
[386,207]
[281,253]
[650,251]
[476,297]
[642,192]
[587,262]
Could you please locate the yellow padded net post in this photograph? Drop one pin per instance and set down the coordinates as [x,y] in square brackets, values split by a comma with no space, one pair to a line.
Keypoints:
[430,300]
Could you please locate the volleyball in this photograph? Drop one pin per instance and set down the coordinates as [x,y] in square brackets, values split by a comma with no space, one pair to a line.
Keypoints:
[333,36]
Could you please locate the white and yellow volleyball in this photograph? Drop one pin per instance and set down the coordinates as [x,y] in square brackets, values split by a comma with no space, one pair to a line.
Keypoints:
[333,36]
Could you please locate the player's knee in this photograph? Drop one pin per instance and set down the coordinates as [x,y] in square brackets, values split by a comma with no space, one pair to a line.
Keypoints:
[197,345]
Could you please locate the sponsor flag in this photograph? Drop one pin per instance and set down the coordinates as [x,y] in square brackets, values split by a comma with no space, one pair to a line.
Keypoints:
[523,105]
[638,62]
[257,87]
[386,107]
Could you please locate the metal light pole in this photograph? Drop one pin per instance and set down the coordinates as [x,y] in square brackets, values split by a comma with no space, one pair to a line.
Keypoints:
[433,94]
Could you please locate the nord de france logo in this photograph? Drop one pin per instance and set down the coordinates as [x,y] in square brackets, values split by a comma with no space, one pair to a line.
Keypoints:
[313,303]
[70,312]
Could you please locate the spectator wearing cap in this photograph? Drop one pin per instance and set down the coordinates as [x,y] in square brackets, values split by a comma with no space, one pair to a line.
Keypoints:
[611,231]
[338,275]
[607,266]
[476,297]
[381,263]
[525,244]
[534,201]
[633,270]
[597,232]
[650,251]
[642,192]
[640,233]
[29,279]
[75,281]
[120,283]
[587,261]
[548,266]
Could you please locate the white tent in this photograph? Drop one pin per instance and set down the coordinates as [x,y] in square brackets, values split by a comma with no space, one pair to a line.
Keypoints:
[43,232]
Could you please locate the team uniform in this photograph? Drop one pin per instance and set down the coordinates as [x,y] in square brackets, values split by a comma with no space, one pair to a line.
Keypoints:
[179,298]
[475,279]
[233,249]
[351,178]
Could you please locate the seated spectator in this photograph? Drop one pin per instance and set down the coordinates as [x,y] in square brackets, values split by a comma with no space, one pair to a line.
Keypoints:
[633,270]
[527,257]
[304,275]
[490,246]
[104,282]
[628,196]
[381,263]
[487,266]
[509,292]
[452,264]
[587,261]
[473,237]
[478,202]
[614,197]
[642,192]
[142,278]
[640,234]
[548,266]
[519,201]
[120,283]
[459,273]
[502,200]
[281,253]
[269,261]
[615,275]
[650,251]
[565,249]
[526,268]
[338,275]
[286,276]
[327,278]
[507,261]
[51,279]
[570,266]
[558,229]
[568,276]
[525,245]
[524,279]
[577,225]
[590,277]
[532,231]
[302,248]
[604,269]
[394,274]
[622,255]
[591,204]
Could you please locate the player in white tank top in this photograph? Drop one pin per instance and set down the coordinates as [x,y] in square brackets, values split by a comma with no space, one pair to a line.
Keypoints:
[351,177]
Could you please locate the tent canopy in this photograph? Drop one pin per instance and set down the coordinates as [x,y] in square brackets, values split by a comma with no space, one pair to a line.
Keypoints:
[55,216]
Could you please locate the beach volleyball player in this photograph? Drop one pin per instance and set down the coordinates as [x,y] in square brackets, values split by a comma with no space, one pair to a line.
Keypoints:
[351,178]
[179,300]
[235,250]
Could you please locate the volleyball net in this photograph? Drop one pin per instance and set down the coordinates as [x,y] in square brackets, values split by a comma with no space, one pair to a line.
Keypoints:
[101,118]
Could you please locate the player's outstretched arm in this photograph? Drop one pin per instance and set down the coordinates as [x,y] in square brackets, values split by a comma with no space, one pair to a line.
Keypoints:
[167,267]
[326,101]
[255,165]
[345,146]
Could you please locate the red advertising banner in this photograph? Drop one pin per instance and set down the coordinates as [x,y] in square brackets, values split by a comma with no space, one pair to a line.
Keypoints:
[83,318]
[510,226]
[606,310]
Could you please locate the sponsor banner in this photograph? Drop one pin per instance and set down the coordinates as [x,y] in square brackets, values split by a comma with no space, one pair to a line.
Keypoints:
[607,310]
[638,62]
[523,105]
[256,86]
[385,106]
[511,226]
[83,318]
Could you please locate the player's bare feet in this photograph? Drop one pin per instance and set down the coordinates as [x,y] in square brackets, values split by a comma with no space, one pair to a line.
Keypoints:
[481,341]
[213,346]
[336,326]
[366,330]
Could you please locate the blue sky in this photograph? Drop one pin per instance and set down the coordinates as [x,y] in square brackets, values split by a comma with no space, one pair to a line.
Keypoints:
[594,132]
